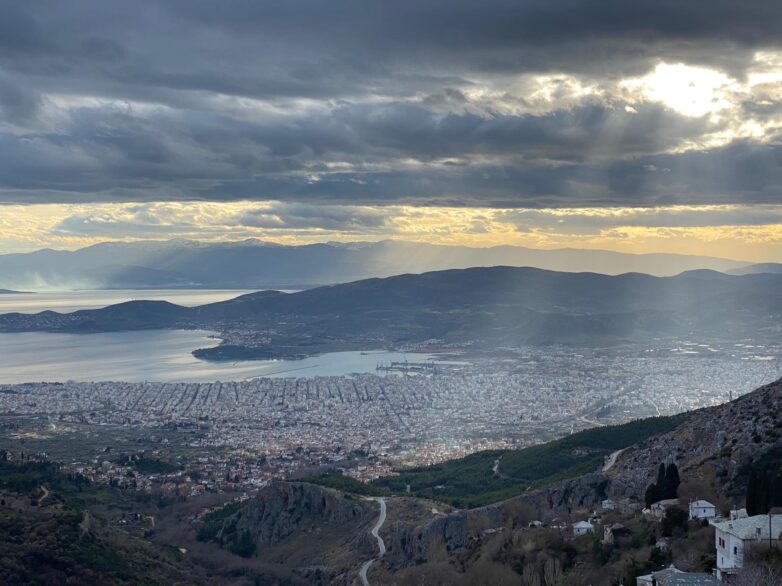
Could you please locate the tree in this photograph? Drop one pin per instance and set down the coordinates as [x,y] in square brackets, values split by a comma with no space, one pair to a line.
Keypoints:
[764,491]
[651,495]
[660,477]
[244,546]
[552,572]
[675,518]
[672,481]
[531,575]
[666,486]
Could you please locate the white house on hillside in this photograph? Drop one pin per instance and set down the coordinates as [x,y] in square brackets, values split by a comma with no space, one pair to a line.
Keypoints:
[582,528]
[733,538]
[673,577]
[701,509]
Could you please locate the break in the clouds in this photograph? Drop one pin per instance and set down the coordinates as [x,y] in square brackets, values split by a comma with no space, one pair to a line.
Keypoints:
[497,104]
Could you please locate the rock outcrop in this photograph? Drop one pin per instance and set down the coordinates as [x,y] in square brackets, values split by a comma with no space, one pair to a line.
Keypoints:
[725,438]
[286,508]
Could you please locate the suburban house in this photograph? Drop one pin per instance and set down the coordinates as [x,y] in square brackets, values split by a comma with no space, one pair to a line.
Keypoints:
[658,508]
[582,528]
[611,533]
[673,577]
[700,509]
[735,537]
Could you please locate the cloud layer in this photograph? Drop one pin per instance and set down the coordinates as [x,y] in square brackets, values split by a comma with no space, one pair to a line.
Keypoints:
[742,232]
[497,104]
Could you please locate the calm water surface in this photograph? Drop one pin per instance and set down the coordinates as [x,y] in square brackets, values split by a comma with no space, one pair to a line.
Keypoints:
[157,355]
[67,301]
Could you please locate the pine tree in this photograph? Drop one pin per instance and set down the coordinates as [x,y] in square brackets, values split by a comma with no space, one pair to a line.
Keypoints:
[660,476]
[672,481]
[752,503]
[651,495]
[776,489]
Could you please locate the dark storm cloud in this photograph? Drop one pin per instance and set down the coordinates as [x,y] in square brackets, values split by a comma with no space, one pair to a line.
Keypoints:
[212,156]
[365,102]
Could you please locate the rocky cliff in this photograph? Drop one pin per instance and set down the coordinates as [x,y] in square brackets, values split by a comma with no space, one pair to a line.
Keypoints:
[286,508]
[716,443]
[319,534]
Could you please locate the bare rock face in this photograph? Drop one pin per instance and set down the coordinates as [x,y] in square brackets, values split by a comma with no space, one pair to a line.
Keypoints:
[564,497]
[726,438]
[448,534]
[286,508]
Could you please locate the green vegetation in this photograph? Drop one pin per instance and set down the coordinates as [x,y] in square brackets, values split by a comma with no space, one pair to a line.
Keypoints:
[213,522]
[54,540]
[347,484]
[27,476]
[470,481]
[148,465]
[764,485]
[666,487]
[244,545]
[675,520]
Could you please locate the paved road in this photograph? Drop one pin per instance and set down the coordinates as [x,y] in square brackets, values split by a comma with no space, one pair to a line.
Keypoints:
[592,422]
[381,546]
[612,460]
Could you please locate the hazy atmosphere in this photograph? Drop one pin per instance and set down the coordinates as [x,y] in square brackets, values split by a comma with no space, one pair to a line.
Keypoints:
[402,293]
[648,128]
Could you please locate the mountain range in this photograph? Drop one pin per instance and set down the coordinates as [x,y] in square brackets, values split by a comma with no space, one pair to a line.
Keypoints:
[489,307]
[254,264]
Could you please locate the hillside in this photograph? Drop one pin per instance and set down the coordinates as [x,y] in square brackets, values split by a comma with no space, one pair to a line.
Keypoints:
[300,533]
[485,306]
[715,450]
[256,264]
[713,447]
[486,477]
[767,267]
[48,537]
[316,534]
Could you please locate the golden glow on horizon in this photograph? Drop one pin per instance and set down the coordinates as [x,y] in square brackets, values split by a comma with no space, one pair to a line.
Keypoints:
[752,233]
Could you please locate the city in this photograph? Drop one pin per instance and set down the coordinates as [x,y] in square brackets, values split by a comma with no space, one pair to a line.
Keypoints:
[244,433]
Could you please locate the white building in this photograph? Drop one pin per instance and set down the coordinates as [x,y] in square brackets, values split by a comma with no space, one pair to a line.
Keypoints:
[608,505]
[701,509]
[733,538]
[673,577]
[582,528]
[738,514]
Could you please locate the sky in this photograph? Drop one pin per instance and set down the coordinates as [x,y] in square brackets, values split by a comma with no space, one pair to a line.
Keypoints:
[637,126]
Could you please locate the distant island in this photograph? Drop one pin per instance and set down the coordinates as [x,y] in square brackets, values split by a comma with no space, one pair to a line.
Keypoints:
[10,291]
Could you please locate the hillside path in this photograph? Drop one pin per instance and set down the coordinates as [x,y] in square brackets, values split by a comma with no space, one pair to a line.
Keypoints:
[381,546]
[612,460]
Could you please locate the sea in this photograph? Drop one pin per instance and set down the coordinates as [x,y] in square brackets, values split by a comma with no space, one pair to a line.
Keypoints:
[68,301]
[149,355]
